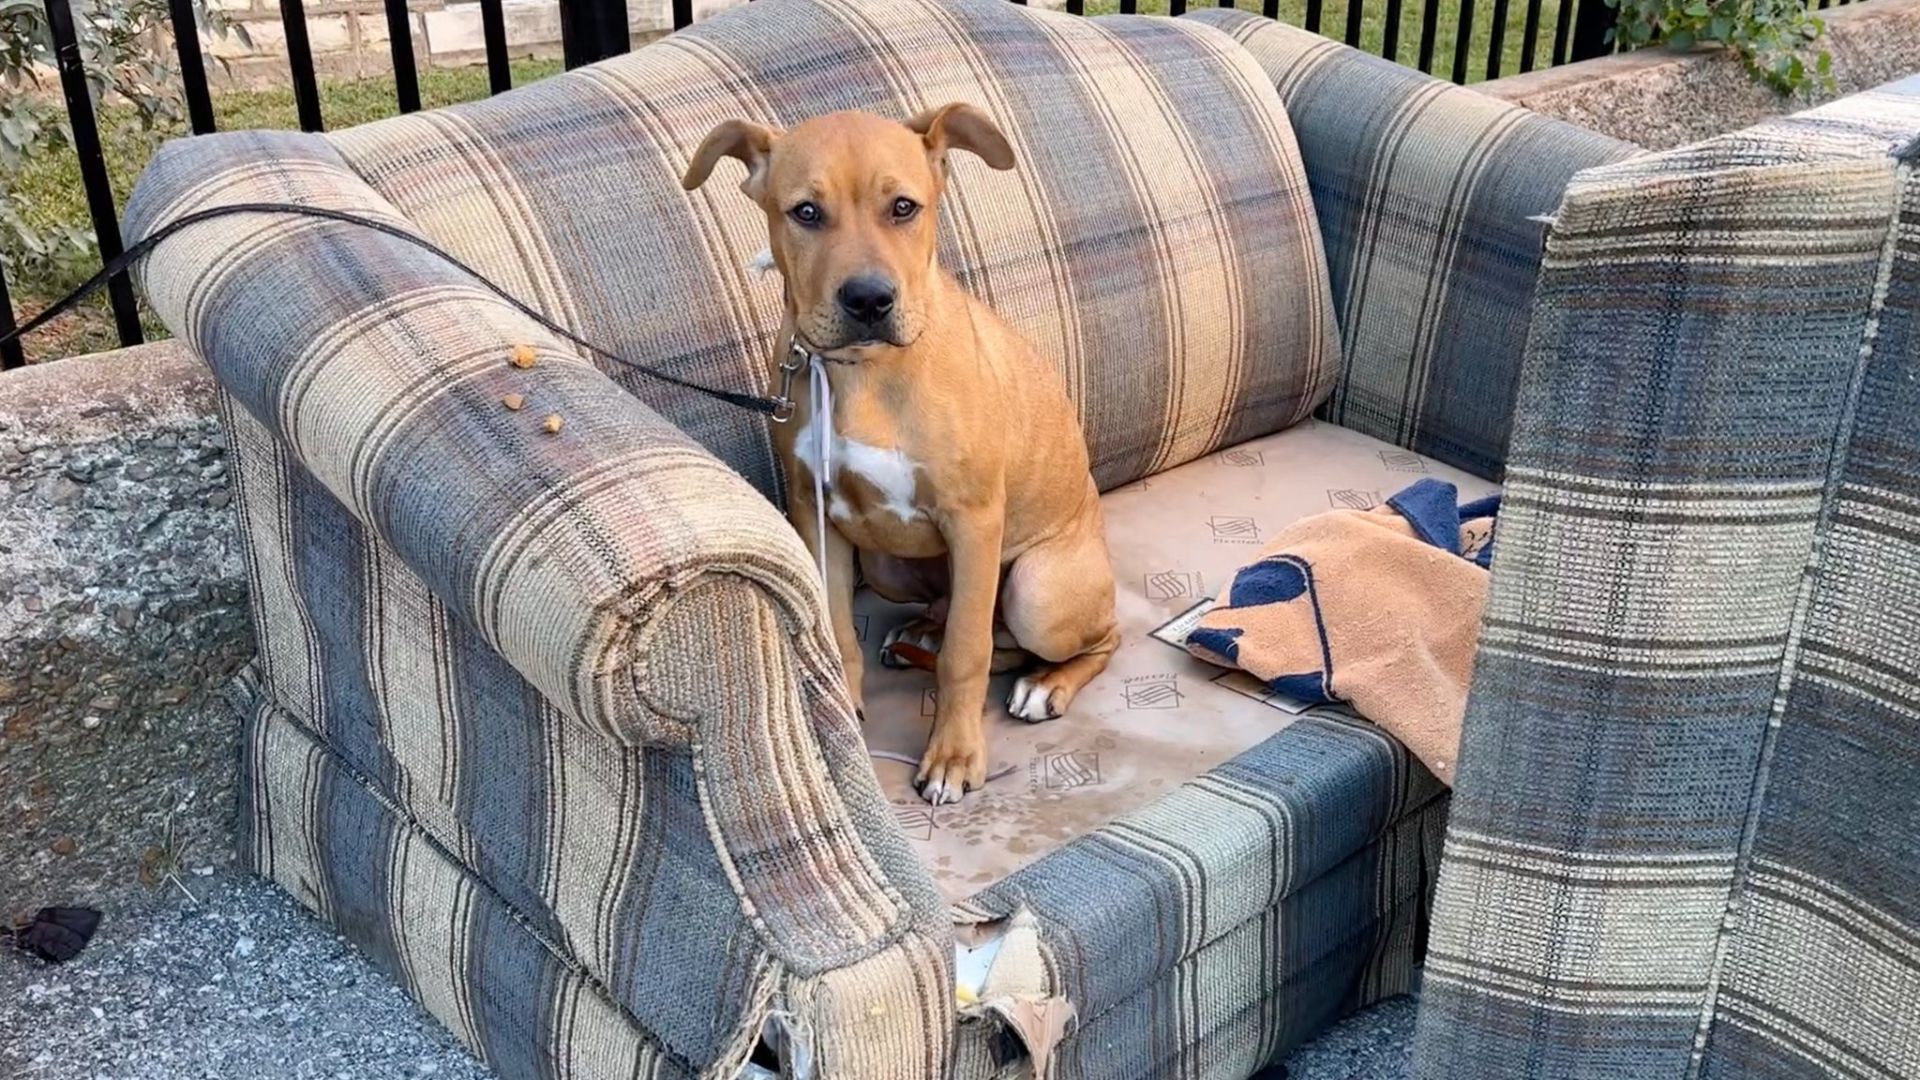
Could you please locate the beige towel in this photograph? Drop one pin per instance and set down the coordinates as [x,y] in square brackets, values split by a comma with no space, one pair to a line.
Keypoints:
[1378,608]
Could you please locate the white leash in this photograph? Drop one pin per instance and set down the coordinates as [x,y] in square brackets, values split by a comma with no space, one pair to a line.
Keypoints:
[820,393]
[820,397]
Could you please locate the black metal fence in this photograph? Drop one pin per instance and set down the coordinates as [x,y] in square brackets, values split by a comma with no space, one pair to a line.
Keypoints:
[596,29]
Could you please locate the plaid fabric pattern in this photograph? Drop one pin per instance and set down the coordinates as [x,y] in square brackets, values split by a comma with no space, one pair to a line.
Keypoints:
[1682,840]
[514,995]
[1155,240]
[1430,198]
[539,717]
[1262,901]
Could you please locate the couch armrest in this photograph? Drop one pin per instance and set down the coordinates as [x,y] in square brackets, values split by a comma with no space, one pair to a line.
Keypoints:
[1685,729]
[383,370]
[1432,201]
[640,586]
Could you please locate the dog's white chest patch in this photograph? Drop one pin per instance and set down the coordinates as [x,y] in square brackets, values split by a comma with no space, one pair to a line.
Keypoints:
[889,472]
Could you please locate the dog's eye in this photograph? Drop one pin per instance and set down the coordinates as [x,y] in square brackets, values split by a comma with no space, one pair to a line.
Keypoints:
[806,214]
[904,209]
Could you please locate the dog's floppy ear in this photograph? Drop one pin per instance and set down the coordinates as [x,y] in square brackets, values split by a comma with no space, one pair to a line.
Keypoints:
[742,139]
[959,126]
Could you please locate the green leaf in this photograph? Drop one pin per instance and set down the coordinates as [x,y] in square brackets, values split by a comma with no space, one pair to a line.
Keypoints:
[1824,64]
[1697,10]
[1717,29]
[1680,40]
[1641,32]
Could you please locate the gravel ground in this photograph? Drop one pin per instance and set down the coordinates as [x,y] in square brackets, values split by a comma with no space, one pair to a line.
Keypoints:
[99,814]
[1370,1045]
[246,984]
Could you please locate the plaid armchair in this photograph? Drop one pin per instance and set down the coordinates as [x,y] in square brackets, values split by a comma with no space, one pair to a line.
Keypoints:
[1683,843]
[550,723]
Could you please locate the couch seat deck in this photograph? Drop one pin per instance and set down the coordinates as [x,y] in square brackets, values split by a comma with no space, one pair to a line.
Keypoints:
[1156,717]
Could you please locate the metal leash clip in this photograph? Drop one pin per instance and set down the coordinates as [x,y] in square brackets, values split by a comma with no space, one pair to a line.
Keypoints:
[794,364]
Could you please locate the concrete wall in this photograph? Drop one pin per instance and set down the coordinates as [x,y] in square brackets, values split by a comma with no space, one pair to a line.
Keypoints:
[123,610]
[1661,99]
[350,39]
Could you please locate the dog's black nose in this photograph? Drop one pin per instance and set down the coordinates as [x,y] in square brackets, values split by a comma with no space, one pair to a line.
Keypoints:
[867,298]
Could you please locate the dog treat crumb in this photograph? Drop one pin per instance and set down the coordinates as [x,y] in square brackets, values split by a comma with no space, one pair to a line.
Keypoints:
[524,356]
[514,402]
[554,423]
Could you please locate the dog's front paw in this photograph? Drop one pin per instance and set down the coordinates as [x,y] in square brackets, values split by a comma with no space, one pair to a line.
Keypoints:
[952,767]
[1033,700]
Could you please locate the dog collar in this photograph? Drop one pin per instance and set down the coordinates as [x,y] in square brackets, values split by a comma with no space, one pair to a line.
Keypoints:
[799,358]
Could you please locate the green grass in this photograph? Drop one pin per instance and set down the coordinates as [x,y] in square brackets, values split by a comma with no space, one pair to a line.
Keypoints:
[53,192]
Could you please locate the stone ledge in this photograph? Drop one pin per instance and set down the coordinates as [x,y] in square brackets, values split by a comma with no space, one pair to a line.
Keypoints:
[1661,99]
[453,33]
[123,608]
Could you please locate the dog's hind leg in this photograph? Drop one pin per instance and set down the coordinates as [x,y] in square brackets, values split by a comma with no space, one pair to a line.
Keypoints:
[1045,694]
[1058,602]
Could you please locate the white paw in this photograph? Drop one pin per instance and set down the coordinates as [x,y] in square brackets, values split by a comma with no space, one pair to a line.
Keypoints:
[1031,701]
[953,765]
[943,792]
[918,633]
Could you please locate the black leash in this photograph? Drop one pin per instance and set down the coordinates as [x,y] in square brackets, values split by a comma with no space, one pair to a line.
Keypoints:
[779,408]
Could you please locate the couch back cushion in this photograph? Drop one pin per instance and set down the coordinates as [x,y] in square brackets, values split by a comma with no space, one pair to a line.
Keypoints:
[1433,201]
[1156,241]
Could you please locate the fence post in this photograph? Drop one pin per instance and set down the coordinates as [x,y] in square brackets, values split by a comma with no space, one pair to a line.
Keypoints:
[11,355]
[592,30]
[93,165]
[493,32]
[1590,26]
[193,68]
[306,82]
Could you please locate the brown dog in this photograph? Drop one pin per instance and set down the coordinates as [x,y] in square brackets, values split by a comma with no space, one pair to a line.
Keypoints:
[958,470]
